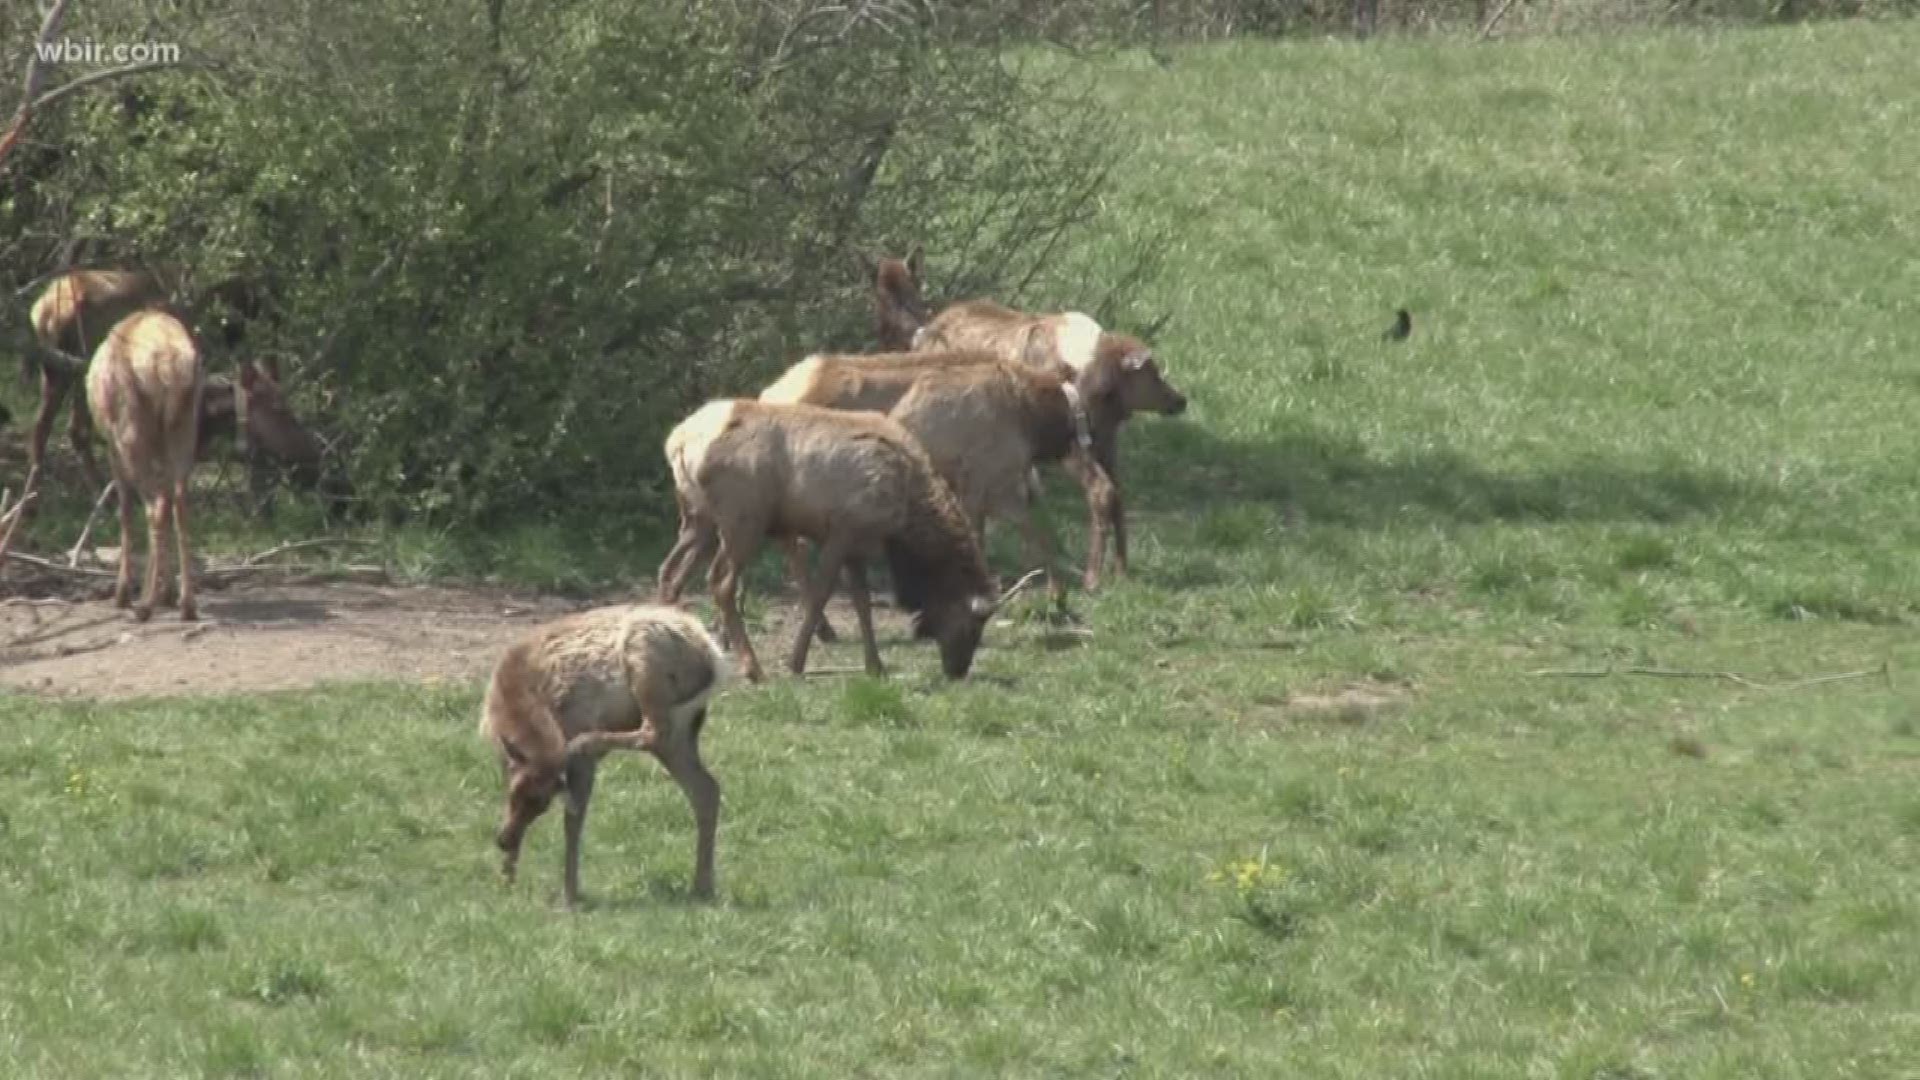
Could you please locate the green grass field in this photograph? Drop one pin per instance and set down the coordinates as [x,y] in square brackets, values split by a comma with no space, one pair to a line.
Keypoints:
[1299,806]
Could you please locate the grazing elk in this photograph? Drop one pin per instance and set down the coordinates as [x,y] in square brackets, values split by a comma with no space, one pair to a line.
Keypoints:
[1117,377]
[854,382]
[899,311]
[252,409]
[857,485]
[143,389]
[974,414]
[986,426]
[629,677]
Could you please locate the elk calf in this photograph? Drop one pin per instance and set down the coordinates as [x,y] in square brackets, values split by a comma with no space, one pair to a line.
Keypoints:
[857,485]
[629,677]
[144,388]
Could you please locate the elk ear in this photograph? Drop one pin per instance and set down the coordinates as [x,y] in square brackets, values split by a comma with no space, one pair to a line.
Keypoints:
[916,261]
[1134,361]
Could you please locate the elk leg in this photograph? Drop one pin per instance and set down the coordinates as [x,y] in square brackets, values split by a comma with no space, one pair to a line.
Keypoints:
[597,744]
[53,391]
[123,582]
[580,774]
[814,596]
[1040,548]
[159,508]
[189,610]
[1103,505]
[1116,513]
[863,611]
[520,813]
[681,756]
[695,539]
[80,434]
[726,595]
[797,570]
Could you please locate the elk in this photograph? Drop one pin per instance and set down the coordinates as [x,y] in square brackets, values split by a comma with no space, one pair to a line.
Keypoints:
[1117,376]
[899,311]
[252,408]
[973,413]
[1067,337]
[81,307]
[986,426]
[627,677]
[857,485]
[71,318]
[143,389]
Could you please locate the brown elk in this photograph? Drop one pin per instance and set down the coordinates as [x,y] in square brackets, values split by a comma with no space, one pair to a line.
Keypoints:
[1117,376]
[252,408]
[899,311]
[857,485]
[986,426]
[143,390]
[972,412]
[71,318]
[629,677]
[1067,337]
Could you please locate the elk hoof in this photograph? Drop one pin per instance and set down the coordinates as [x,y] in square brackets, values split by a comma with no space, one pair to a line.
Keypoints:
[189,612]
[827,634]
[142,612]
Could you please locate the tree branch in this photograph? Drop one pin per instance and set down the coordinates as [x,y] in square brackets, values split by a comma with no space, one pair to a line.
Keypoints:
[103,75]
[36,77]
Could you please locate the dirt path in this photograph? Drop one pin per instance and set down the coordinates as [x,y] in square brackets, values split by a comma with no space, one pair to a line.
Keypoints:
[263,637]
[280,637]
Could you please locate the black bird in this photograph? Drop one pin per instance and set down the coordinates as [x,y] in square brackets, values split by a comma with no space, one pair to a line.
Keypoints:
[1402,327]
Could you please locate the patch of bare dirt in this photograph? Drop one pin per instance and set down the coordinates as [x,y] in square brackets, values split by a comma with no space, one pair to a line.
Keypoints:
[263,637]
[1355,703]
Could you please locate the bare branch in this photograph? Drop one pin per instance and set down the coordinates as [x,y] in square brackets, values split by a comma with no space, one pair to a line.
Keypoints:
[36,77]
[1885,669]
[103,75]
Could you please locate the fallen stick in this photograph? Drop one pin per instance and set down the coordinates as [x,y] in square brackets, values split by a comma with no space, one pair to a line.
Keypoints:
[54,567]
[1885,670]
[10,518]
[1499,13]
[73,554]
[296,545]
[820,672]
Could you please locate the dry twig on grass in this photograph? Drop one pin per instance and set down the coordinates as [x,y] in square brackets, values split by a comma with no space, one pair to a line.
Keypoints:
[1885,670]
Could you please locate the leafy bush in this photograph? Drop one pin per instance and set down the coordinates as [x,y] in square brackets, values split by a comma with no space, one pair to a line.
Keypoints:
[508,245]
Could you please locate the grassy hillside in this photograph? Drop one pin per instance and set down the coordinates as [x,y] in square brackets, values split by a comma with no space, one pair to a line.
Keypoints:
[1298,806]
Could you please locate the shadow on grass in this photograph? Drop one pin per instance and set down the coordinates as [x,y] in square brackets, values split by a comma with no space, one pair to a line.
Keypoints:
[1338,480]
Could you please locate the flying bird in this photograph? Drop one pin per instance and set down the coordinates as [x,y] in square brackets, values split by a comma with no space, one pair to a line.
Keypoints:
[1402,327]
